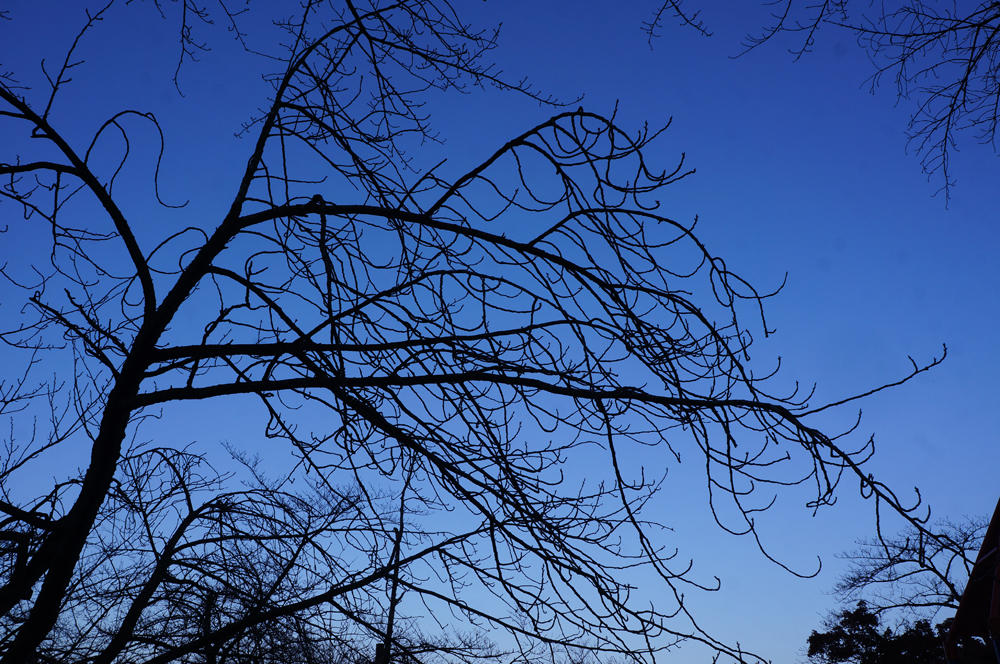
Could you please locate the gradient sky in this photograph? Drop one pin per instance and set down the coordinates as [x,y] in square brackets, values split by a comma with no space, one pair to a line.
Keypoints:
[799,170]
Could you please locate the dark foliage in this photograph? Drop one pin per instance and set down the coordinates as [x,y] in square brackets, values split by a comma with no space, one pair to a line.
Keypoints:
[857,636]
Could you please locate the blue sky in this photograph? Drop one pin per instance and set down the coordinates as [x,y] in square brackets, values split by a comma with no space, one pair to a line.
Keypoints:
[799,171]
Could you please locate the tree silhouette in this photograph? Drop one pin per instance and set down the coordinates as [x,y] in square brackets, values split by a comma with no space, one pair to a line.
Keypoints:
[462,377]
[912,576]
[916,571]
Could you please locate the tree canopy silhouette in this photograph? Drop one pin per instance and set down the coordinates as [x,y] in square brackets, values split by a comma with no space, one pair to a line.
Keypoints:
[474,384]
[856,636]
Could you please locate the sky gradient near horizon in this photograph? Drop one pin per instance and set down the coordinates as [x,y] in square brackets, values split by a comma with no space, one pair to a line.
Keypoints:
[799,172]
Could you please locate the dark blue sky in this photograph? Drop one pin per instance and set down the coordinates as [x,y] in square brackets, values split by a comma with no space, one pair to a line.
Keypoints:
[799,171]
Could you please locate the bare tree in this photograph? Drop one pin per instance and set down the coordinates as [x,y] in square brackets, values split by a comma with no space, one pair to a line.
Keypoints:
[909,578]
[917,572]
[441,360]
[943,57]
